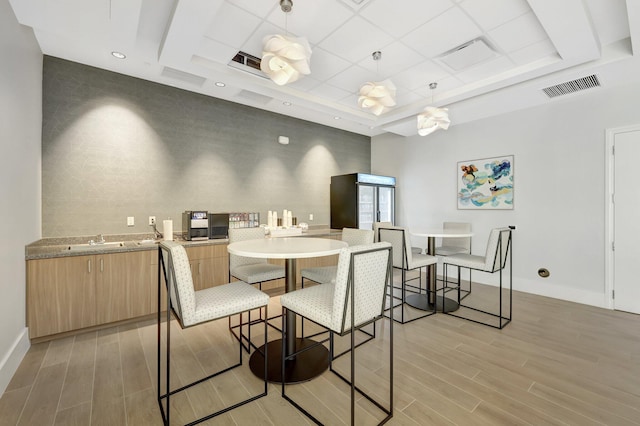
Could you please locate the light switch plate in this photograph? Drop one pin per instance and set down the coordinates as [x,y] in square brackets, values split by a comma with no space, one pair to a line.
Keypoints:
[131,221]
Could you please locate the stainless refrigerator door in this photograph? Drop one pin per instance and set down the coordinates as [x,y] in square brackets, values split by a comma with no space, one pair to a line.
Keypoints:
[366,206]
[385,204]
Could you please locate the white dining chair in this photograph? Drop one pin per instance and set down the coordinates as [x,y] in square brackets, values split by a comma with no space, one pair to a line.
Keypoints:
[356,299]
[498,256]
[191,308]
[451,246]
[405,261]
[327,274]
[252,271]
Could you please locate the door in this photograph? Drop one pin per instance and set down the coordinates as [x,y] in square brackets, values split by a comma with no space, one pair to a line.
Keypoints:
[385,204]
[626,226]
[366,206]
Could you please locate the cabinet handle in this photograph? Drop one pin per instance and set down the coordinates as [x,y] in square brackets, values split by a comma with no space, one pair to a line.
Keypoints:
[89,265]
[101,265]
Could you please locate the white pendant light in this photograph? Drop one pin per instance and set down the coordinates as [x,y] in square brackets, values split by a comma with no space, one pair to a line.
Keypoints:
[285,59]
[377,96]
[433,118]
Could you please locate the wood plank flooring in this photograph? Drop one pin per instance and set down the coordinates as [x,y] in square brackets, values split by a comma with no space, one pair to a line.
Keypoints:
[557,363]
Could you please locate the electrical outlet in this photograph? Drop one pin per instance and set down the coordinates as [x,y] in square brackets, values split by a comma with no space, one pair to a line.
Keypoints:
[131,221]
[310,216]
[152,220]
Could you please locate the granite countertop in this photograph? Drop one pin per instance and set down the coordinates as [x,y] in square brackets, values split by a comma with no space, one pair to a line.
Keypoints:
[61,247]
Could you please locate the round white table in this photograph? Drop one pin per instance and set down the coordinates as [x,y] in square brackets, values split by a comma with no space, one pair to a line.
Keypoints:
[422,301]
[310,363]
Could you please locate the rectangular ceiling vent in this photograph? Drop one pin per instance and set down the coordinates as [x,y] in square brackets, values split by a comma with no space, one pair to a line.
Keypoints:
[185,77]
[248,63]
[468,54]
[573,86]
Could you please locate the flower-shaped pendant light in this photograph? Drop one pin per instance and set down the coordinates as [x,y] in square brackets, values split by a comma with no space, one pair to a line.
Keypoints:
[285,59]
[377,96]
[433,118]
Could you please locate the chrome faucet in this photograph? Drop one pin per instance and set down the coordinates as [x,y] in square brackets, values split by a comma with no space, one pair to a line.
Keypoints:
[156,234]
[99,240]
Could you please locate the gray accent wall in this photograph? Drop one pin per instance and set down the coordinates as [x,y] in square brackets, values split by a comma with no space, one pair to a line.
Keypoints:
[115,146]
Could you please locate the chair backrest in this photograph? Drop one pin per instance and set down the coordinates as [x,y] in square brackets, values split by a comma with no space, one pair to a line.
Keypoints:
[356,237]
[376,226]
[399,239]
[177,274]
[498,247]
[242,234]
[363,272]
[464,242]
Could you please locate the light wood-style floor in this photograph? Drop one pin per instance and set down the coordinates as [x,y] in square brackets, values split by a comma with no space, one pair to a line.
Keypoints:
[557,363]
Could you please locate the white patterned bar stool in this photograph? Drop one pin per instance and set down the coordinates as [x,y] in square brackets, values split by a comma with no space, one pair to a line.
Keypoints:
[356,299]
[327,274]
[499,251]
[451,246]
[190,308]
[253,271]
[405,261]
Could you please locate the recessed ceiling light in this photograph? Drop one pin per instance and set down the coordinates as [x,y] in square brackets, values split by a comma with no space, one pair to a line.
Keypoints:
[286,103]
[118,55]
[220,84]
[336,118]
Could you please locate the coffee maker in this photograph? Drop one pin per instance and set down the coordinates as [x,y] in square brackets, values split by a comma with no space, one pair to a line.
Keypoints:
[195,225]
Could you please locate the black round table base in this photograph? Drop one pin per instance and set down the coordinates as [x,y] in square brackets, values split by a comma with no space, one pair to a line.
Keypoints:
[421,301]
[307,365]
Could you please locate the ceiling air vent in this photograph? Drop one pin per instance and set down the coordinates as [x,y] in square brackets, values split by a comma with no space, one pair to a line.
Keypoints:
[573,86]
[468,54]
[248,63]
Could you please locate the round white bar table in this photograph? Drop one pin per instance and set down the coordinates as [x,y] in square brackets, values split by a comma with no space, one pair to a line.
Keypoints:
[310,363]
[422,301]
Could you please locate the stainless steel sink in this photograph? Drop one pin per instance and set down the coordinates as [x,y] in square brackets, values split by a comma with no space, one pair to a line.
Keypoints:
[99,246]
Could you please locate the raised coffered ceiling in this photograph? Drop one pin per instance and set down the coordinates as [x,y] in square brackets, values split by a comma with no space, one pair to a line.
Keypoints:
[189,44]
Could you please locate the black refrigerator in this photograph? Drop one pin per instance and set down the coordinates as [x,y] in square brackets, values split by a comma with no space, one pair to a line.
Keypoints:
[359,199]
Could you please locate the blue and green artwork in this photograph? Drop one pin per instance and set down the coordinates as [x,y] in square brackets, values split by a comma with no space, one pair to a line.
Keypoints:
[486,183]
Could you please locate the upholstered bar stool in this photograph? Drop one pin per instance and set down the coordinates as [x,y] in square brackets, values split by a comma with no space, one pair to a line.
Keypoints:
[356,299]
[190,308]
[253,271]
[327,274]
[451,246]
[405,261]
[497,257]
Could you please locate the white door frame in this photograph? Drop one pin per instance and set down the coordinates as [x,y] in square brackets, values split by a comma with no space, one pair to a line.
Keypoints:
[609,213]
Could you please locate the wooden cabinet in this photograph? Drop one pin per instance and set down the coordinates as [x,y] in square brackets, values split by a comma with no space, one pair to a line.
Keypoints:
[124,286]
[209,265]
[70,293]
[60,294]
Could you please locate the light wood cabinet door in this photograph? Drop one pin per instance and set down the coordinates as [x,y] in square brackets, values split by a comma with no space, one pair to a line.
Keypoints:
[60,294]
[125,286]
[209,265]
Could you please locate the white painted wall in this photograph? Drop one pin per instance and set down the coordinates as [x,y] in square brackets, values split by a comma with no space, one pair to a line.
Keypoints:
[20,179]
[559,184]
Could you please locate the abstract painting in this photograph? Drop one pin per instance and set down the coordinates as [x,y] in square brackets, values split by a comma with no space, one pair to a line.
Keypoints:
[486,184]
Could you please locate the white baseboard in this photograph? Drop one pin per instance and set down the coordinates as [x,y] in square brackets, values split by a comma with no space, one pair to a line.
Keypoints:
[564,292]
[554,290]
[12,359]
